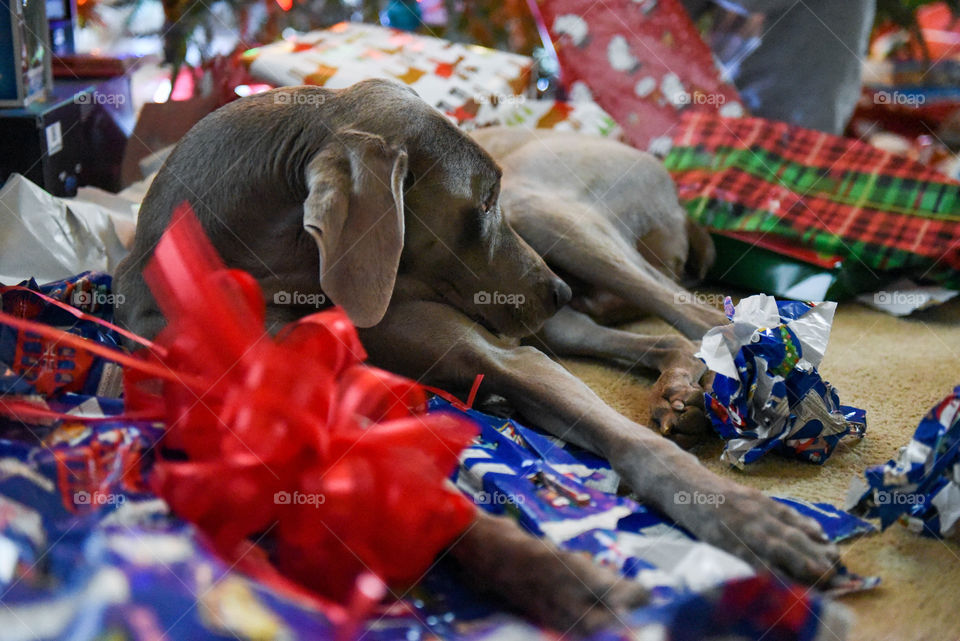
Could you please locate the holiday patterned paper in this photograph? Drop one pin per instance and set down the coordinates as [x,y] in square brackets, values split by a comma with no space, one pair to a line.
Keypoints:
[88,551]
[472,85]
[831,194]
[643,60]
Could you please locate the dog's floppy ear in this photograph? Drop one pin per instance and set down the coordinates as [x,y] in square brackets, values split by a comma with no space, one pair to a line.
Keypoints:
[354,211]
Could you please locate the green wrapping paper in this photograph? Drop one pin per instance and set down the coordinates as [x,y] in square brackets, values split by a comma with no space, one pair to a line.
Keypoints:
[809,190]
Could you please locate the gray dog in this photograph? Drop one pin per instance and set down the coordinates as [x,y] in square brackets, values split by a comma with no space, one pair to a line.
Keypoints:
[372,198]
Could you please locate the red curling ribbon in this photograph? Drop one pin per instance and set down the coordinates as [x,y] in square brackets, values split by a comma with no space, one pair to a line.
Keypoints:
[453,400]
[294,436]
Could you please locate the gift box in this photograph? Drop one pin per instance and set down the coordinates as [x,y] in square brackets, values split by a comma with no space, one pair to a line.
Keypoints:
[444,73]
[809,189]
[472,85]
[644,62]
[755,261]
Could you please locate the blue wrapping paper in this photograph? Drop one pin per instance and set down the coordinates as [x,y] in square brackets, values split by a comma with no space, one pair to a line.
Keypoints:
[87,552]
[767,394]
[922,486]
[89,292]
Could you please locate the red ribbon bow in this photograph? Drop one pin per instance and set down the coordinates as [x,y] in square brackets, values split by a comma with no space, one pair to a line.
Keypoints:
[292,439]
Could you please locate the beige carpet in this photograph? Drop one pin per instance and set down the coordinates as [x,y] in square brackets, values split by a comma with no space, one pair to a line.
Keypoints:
[896,369]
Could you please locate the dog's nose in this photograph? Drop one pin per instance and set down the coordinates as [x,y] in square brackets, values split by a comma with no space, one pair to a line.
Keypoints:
[561,293]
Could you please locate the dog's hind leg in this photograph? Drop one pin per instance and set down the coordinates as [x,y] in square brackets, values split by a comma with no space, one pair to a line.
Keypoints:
[587,246]
[677,401]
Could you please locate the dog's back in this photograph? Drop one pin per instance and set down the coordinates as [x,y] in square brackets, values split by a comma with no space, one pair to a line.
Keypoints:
[612,187]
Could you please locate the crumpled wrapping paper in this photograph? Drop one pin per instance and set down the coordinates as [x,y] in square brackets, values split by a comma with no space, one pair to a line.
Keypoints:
[922,486]
[79,498]
[50,238]
[768,394]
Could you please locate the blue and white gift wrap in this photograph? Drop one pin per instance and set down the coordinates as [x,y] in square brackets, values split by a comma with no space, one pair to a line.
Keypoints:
[767,393]
[923,485]
[88,552]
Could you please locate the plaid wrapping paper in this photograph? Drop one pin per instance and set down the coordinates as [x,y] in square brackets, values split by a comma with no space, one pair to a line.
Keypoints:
[828,193]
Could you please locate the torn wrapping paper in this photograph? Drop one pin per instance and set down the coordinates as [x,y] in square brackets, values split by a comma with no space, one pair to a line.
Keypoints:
[922,486]
[558,491]
[32,365]
[49,238]
[905,297]
[767,394]
[837,524]
[117,561]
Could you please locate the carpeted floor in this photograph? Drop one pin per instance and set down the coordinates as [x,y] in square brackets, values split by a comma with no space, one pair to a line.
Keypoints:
[896,369]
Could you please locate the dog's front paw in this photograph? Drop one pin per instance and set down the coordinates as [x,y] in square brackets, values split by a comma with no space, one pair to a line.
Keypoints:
[767,534]
[677,407]
[565,591]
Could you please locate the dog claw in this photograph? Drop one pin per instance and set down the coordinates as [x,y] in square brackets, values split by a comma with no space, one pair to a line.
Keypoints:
[677,409]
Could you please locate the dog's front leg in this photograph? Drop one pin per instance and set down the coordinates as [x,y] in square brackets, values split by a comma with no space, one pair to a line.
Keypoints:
[677,399]
[436,344]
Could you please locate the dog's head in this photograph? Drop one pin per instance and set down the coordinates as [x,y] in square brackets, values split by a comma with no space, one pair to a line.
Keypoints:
[401,190]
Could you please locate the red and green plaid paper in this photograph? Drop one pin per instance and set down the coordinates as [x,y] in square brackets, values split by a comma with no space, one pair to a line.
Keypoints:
[823,192]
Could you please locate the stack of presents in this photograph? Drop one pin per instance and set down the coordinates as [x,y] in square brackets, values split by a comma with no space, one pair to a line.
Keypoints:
[89,550]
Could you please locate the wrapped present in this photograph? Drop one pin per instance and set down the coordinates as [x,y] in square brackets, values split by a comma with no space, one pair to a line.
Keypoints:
[450,76]
[644,61]
[757,261]
[833,195]
[472,85]
[767,394]
[922,486]
[580,114]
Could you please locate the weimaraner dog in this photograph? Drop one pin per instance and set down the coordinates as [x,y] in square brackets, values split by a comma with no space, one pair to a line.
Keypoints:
[373,199]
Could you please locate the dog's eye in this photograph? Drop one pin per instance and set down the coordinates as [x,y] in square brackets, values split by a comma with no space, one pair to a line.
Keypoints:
[491,200]
[409,180]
